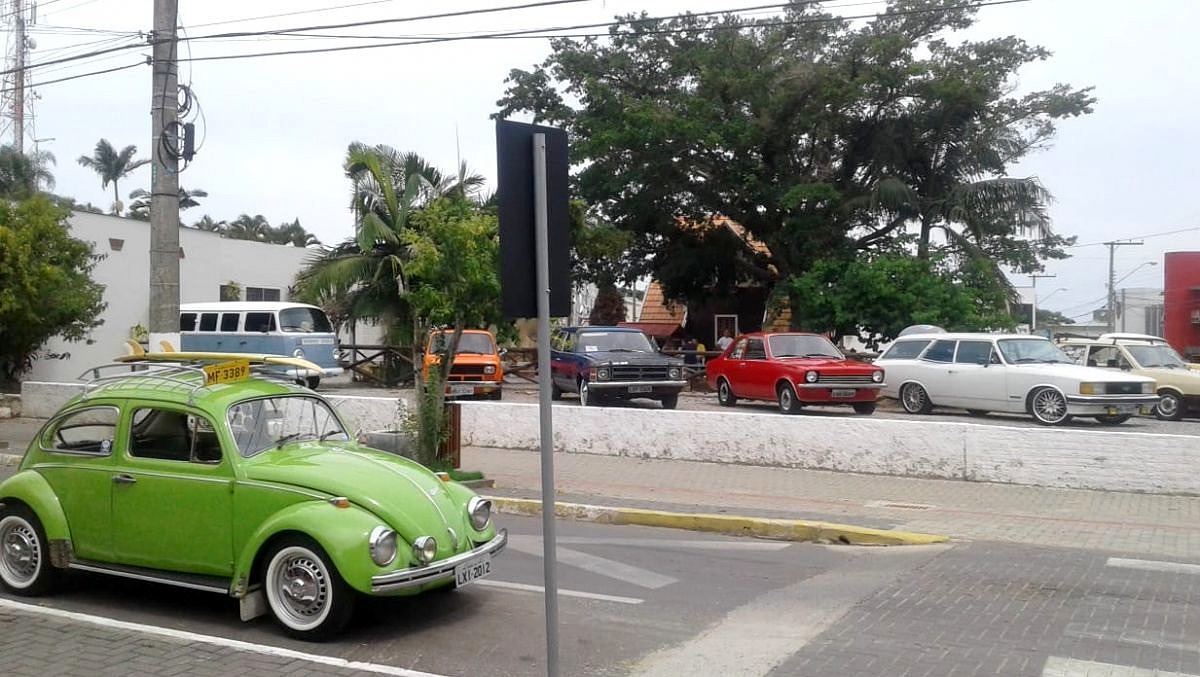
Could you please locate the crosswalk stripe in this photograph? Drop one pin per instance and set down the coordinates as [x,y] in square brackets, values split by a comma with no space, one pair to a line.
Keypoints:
[1057,666]
[525,587]
[1154,565]
[602,566]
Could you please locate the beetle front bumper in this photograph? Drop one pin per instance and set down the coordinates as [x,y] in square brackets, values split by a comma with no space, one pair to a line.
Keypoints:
[435,572]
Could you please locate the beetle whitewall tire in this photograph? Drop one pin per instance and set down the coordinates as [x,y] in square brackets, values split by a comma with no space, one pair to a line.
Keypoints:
[305,592]
[24,554]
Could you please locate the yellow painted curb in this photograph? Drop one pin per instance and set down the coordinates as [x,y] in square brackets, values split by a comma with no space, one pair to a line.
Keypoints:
[760,527]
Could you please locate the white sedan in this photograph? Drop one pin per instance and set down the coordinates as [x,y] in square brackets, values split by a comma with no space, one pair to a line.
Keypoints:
[1014,373]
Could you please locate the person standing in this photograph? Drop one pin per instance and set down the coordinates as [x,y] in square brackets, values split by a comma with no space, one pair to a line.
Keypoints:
[724,341]
[689,347]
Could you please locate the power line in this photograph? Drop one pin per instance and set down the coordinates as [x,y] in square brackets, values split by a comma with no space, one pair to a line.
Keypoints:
[1163,234]
[84,75]
[296,13]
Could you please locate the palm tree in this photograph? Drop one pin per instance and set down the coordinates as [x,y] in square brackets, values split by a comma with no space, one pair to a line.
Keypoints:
[246,227]
[112,166]
[139,208]
[21,174]
[210,224]
[294,234]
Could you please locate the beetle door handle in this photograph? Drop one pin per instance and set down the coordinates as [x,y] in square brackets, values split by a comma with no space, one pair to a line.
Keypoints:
[124,479]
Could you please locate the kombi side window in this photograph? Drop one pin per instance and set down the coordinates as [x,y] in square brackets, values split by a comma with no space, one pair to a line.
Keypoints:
[229,321]
[260,322]
[904,350]
[307,320]
[187,322]
[208,321]
[940,351]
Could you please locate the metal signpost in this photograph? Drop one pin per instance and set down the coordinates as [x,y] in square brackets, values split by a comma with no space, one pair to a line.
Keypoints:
[533,191]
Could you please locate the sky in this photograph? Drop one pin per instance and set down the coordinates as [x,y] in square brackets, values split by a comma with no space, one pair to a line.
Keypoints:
[275,129]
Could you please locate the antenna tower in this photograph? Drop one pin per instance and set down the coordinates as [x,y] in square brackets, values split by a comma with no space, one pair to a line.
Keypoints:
[16,99]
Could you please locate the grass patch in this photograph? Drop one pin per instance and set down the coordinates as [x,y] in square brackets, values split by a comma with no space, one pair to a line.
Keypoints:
[456,475]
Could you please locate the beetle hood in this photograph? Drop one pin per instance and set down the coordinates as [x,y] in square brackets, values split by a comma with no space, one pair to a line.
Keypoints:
[402,493]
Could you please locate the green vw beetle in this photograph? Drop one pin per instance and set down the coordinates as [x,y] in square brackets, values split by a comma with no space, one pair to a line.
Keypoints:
[250,487]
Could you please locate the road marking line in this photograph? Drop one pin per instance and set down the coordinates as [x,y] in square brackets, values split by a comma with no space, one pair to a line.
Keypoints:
[525,587]
[668,543]
[1070,667]
[1131,637]
[611,568]
[1153,565]
[186,636]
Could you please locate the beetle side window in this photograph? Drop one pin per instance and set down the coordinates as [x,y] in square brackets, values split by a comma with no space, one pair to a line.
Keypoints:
[940,351]
[904,350]
[173,436]
[755,350]
[88,431]
[229,321]
[974,352]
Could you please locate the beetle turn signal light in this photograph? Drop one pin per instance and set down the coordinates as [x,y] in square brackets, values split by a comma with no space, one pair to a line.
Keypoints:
[339,502]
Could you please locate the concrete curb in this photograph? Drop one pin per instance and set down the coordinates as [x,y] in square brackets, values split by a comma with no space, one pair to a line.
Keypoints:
[484,483]
[10,459]
[759,527]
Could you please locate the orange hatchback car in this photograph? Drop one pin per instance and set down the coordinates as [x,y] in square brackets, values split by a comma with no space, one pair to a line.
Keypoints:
[476,371]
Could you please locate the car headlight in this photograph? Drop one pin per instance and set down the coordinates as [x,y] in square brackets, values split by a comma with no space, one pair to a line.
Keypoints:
[424,549]
[1091,388]
[382,544]
[811,376]
[674,373]
[1148,388]
[603,374]
[299,352]
[489,369]
[877,377]
[480,512]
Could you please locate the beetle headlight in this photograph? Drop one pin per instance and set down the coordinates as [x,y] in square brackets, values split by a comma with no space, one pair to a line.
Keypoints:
[811,376]
[489,369]
[1091,388]
[382,544]
[480,512]
[877,377]
[299,352]
[674,373]
[603,374]
[424,549]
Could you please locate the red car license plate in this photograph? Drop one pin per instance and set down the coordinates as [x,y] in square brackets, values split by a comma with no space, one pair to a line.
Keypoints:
[843,392]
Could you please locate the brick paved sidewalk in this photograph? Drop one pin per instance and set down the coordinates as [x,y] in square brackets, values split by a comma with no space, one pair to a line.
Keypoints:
[1143,524]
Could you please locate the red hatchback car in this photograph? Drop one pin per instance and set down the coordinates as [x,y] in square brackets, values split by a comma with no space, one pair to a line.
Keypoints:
[793,370]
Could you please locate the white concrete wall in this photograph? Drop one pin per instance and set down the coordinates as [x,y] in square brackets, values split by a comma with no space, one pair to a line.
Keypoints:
[209,262]
[1103,459]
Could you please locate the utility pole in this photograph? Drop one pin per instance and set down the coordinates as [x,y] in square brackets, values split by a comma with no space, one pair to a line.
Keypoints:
[164,187]
[1112,280]
[18,106]
[1033,321]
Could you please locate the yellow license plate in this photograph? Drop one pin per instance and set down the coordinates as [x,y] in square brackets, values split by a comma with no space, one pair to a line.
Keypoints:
[234,370]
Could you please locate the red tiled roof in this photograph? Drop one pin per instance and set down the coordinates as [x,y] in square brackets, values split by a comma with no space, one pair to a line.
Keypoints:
[656,309]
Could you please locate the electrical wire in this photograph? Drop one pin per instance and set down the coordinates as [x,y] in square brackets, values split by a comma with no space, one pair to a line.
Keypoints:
[296,13]
[82,75]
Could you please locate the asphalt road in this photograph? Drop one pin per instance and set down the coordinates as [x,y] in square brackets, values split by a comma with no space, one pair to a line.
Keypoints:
[644,601]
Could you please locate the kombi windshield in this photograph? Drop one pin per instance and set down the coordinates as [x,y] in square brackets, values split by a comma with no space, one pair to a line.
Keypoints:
[479,344]
[1151,357]
[1024,351]
[261,424]
[799,345]
[305,320]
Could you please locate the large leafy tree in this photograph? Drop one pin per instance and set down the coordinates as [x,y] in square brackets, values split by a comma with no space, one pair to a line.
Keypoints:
[822,140]
[46,288]
[22,175]
[112,165]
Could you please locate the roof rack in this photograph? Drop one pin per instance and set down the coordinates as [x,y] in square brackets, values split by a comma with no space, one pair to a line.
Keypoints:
[167,376]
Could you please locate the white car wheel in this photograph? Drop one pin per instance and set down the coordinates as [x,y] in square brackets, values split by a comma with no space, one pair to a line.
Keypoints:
[305,592]
[24,558]
[1048,407]
[1169,407]
[914,399]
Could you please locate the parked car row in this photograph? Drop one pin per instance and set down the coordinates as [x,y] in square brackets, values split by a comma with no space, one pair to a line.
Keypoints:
[1110,379]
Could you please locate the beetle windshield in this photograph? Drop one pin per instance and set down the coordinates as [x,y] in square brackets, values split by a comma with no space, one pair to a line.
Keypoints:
[275,421]
[1024,351]
[800,345]
[617,341]
[479,344]
[1157,356]
[306,320]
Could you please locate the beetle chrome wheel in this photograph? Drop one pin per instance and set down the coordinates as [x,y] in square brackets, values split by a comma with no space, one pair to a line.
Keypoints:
[1169,407]
[304,591]
[20,552]
[1049,407]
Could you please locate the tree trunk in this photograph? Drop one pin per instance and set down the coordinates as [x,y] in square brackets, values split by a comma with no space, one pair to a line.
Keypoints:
[116,199]
[923,243]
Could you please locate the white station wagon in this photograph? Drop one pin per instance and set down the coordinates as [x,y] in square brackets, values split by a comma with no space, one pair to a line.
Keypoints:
[1015,373]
